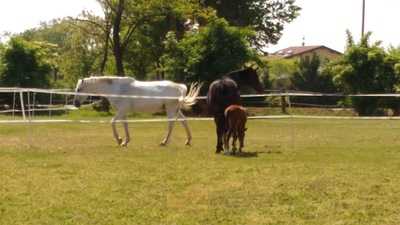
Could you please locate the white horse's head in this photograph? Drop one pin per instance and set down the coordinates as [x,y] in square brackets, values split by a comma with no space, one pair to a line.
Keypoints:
[80,87]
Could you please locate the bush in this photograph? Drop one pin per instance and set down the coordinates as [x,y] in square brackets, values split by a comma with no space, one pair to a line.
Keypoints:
[24,65]
[367,68]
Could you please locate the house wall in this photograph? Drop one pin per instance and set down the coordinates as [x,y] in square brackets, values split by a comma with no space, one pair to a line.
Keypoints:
[323,53]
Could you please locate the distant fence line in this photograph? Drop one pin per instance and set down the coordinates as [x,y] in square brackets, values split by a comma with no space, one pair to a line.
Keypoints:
[69,92]
[27,109]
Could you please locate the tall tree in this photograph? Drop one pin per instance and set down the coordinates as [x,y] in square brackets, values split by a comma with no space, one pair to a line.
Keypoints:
[129,20]
[266,17]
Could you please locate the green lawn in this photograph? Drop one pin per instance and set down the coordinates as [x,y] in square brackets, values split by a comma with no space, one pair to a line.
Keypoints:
[294,172]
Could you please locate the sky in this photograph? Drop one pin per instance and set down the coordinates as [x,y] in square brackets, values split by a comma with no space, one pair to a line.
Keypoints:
[324,22]
[19,15]
[321,22]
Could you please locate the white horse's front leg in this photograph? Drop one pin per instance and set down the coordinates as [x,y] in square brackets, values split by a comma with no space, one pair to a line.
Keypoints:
[186,126]
[127,136]
[115,132]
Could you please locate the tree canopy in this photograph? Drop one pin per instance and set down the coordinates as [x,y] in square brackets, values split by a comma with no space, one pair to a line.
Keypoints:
[217,49]
[24,64]
[366,68]
[267,17]
[184,40]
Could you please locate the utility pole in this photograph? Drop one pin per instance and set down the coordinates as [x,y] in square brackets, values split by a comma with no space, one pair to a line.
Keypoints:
[363,19]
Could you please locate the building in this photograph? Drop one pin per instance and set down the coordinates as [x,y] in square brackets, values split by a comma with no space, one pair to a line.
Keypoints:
[307,51]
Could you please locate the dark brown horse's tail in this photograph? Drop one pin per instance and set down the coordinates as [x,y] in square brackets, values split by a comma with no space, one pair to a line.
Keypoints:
[191,97]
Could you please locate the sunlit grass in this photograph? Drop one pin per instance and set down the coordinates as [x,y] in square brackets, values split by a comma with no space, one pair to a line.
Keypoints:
[293,172]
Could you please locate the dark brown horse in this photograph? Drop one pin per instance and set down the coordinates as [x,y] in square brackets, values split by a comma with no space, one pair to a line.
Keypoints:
[225,92]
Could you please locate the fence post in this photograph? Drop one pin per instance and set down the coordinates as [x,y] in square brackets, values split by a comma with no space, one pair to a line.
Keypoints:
[21,99]
[283,102]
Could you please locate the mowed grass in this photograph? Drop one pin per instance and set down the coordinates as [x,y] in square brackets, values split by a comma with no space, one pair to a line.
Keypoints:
[294,172]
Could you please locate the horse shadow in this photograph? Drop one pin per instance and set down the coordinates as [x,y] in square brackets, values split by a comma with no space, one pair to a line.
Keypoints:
[251,154]
[244,154]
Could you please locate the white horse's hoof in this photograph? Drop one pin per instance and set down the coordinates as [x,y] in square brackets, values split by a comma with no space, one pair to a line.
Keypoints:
[119,141]
[188,143]
[124,144]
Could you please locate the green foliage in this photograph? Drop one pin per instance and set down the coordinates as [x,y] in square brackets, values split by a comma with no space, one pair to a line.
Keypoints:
[24,64]
[367,68]
[267,17]
[279,73]
[2,50]
[215,50]
[151,39]
[308,76]
[151,35]
[76,53]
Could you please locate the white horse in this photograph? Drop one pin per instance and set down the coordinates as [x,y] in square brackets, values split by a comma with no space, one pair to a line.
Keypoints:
[171,96]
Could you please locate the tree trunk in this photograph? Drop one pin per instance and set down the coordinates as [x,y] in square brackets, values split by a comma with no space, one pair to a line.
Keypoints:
[118,51]
[106,46]
[105,54]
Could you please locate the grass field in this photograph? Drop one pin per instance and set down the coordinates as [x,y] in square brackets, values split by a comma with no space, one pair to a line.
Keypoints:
[294,172]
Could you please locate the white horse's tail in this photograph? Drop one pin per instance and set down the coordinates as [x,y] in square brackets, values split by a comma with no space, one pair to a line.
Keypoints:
[191,97]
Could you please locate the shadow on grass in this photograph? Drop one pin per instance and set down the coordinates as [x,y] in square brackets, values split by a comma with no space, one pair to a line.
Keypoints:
[249,154]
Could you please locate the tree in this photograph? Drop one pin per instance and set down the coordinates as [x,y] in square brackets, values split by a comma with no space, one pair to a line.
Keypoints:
[266,17]
[75,53]
[308,76]
[215,50]
[279,73]
[24,65]
[124,21]
[148,47]
[367,68]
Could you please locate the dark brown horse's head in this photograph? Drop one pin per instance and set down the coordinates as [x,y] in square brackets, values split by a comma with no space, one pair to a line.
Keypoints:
[247,76]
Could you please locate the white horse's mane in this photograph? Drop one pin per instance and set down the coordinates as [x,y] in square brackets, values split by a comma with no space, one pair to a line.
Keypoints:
[97,78]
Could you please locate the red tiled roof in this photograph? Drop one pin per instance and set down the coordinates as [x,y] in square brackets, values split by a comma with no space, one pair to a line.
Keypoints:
[298,50]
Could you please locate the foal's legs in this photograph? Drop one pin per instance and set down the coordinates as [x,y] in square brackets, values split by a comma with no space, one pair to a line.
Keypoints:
[185,125]
[227,136]
[241,140]
[235,137]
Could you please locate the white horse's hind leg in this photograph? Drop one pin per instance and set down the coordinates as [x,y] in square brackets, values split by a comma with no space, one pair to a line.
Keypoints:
[170,127]
[186,126]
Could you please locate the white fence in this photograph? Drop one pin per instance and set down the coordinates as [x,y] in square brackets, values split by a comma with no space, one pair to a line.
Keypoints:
[27,109]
